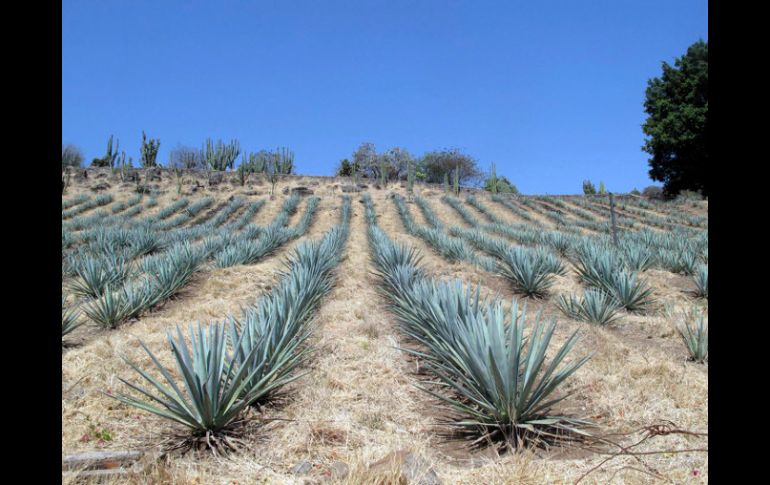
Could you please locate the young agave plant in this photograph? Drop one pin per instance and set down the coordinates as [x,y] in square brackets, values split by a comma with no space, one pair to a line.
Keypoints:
[115,307]
[502,381]
[632,294]
[70,319]
[596,307]
[637,257]
[695,335]
[701,278]
[217,388]
[96,274]
[597,269]
[599,307]
[527,272]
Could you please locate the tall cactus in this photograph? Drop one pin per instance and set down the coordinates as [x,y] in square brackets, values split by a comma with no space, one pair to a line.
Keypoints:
[410,176]
[446,183]
[457,180]
[493,178]
[149,151]
[383,172]
[220,156]
[286,158]
[109,158]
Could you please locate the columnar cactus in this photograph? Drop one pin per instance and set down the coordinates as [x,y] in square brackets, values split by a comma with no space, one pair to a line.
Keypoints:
[149,151]
[220,156]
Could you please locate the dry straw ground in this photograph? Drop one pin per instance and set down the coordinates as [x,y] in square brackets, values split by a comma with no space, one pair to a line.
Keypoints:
[357,401]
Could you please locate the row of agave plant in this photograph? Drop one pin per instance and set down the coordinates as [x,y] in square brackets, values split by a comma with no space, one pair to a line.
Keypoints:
[127,241]
[557,216]
[239,363]
[671,210]
[122,290]
[131,203]
[125,237]
[611,276]
[581,218]
[530,271]
[521,213]
[679,251]
[495,380]
[73,201]
[98,201]
[451,248]
[672,220]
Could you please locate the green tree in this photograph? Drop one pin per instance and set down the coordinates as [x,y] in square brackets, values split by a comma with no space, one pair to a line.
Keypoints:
[602,188]
[345,169]
[438,163]
[588,187]
[504,186]
[677,105]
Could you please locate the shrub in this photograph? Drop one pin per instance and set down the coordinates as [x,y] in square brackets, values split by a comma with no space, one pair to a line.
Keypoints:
[503,186]
[345,169]
[71,156]
[588,188]
[653,192]
[183,157]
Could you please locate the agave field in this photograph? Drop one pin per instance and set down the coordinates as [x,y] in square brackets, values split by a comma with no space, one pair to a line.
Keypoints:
[316,336]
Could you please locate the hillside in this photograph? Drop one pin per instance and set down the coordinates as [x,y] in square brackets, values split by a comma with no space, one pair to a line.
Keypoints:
[357,399]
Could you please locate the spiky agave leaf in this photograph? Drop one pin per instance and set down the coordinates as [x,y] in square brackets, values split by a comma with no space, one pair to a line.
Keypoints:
[599,307]
[551,262]
[213,381]
[115,307]
[701,278]
[94,275]
[70,318]
[498,384]
[571,306]
[278,325]
[527,272]
[637,257]
[695,335]
[596,268]
[630,292]
[501,384]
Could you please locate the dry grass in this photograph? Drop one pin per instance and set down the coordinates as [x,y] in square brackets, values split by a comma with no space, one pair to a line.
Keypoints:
[358,402]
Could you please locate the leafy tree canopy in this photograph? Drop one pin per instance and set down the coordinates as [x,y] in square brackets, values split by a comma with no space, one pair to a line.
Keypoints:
[437,163]
[503,185]
[677,105]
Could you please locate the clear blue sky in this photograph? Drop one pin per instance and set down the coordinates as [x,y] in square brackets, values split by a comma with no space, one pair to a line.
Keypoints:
[550,91]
